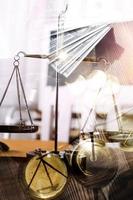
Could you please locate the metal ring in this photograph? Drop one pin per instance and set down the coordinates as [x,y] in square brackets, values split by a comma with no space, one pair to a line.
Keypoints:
[16,57]
[16,63]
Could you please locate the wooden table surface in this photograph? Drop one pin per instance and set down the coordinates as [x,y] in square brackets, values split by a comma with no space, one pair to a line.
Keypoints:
[19,148]
[118,188]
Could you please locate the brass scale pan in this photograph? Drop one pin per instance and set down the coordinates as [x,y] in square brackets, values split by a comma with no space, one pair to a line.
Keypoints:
[46,175]
[93,164]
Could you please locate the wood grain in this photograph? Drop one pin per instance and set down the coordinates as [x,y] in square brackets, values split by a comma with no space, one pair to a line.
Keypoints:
[19,148]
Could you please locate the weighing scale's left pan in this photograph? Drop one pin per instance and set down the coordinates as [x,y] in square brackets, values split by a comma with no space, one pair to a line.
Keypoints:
[21,127]
[18,128]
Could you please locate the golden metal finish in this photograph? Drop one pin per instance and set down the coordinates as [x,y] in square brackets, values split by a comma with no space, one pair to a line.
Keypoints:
[47,183]
[125,139]
[93,163]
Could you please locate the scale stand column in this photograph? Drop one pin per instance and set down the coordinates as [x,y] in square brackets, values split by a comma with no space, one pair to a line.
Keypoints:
[56,112]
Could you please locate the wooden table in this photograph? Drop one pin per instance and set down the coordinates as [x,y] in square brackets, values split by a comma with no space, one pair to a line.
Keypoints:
[19,148]
[11,176]
[12,161]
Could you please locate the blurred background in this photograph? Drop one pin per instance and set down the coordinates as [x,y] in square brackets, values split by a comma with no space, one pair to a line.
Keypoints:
[31,26]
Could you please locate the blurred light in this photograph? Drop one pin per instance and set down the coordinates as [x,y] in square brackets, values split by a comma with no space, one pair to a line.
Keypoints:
[112,85]
[97,79]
